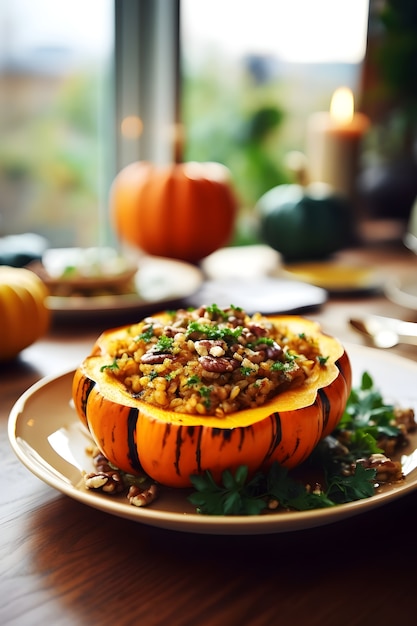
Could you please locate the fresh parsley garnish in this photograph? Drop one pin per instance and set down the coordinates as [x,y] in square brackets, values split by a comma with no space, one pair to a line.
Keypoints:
[193,380]
[234,497]
[367,413]
[205,393]
[111,366]
[215,310]
[146,336]
[267,341]
[365,419]
[237,496]
[211,331]
[282,366]
[164,344]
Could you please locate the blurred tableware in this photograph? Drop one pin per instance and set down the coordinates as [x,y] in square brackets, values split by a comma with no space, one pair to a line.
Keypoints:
[241,262]
[264,294]
[402,291]
[410,237]
[386,332]
[158,281]
[336,277]
[68,270]
[19,250]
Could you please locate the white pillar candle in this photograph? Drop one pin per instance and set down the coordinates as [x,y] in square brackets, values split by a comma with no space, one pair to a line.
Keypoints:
[333,143]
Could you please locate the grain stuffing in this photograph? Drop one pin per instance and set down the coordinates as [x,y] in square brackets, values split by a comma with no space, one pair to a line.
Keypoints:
[211,361]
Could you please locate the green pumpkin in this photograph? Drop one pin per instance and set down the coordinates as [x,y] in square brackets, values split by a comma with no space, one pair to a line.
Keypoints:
[304,223]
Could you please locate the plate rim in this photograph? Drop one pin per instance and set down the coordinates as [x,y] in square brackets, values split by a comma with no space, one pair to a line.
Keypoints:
[272,523]
[395,292]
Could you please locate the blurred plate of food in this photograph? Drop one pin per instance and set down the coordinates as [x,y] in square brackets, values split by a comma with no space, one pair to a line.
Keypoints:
[86,271]
[101,280]
[335,277]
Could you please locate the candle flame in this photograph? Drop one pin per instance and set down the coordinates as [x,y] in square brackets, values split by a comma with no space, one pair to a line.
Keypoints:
[342,105]
[132,127]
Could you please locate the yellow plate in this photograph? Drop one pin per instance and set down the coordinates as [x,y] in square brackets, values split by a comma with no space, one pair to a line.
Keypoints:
[335,277]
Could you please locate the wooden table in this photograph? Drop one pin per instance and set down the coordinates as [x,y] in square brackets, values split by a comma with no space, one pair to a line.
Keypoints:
[63,563]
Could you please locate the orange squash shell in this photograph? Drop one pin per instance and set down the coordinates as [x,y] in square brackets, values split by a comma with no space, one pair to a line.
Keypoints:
[170,446]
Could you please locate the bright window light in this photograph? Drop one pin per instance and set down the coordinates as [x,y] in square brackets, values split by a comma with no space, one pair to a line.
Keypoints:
[300,31]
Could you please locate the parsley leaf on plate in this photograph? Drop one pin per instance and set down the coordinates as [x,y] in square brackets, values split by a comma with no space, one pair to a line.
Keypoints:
[366,418]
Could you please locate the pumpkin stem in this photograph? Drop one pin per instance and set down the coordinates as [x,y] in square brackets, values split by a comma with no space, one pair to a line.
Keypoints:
[296,163]
[178,142]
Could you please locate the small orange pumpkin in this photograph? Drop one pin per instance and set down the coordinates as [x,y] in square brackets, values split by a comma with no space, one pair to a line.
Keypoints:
[170,446]
[183,211]
[24,316]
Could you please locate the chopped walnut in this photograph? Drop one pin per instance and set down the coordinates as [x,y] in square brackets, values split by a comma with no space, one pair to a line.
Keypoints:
[108,482]
[406,418]
[387,470]
[139,496]
[112,481]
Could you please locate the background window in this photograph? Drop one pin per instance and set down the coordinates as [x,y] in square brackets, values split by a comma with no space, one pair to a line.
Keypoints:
[56,104]
[87,87]
[252,72]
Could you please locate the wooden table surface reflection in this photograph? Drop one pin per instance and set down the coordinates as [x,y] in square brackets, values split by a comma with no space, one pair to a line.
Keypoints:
[64,563]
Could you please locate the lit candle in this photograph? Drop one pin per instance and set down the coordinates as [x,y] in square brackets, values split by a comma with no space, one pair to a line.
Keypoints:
[333,143]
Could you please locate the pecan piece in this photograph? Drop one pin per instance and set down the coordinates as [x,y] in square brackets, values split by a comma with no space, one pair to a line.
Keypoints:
[218,364]
[273,351]
[212,347]
[154,358]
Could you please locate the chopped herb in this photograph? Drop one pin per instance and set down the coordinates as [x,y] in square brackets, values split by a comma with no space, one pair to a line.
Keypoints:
[111,366]
[246,371]
[216,311]
[164,344]
[205,392]
[193,380]
[283,366]
[266,341]
[214,331]
[291,356]
[322,359]
[146,336]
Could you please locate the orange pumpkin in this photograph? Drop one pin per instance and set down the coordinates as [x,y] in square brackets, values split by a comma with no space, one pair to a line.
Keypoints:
[183,211]
[24,315]
[169,446]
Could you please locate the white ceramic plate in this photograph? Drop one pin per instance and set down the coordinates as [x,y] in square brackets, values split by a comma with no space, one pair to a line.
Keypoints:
[50,441]
[158,281]
[266,294]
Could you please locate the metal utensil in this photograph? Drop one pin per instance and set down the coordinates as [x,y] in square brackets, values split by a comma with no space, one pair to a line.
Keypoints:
[386,332]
